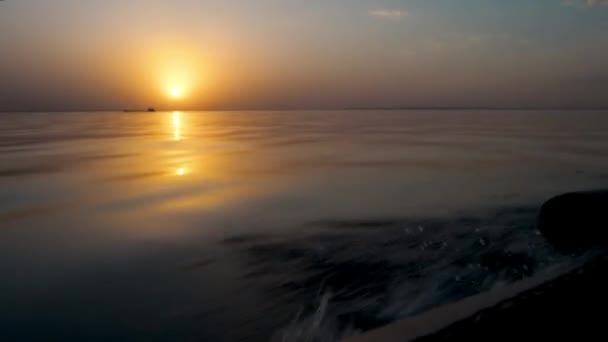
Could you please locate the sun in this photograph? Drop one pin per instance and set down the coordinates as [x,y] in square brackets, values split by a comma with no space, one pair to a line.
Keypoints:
[176,93]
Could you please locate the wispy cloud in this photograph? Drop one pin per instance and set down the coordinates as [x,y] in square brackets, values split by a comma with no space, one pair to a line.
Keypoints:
[591,3]
[585,3]
[388,13]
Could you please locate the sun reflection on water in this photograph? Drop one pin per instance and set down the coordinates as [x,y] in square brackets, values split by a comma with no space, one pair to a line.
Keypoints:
[177,136]
[177,126]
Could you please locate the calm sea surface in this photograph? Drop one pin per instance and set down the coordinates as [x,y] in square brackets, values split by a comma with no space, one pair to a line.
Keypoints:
[250,226]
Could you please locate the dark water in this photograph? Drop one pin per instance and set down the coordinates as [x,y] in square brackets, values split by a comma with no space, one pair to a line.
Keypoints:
[250,226]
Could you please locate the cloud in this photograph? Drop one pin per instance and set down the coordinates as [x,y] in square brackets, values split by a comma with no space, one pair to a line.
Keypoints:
[388,13]
[590,3]
[585,3]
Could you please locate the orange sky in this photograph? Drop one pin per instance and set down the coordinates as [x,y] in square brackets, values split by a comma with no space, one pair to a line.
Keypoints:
[110,54]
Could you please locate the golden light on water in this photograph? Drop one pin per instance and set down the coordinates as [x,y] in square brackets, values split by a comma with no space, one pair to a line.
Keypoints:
[177,122]
[177,126]
[177,136]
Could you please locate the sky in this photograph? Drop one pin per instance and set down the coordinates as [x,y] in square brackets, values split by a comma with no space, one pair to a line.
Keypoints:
[60,55]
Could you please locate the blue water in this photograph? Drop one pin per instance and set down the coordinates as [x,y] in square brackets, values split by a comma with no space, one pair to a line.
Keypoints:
[233,226]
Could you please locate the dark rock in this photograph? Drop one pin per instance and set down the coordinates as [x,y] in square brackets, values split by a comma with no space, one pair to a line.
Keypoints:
[567,308]
[575,221]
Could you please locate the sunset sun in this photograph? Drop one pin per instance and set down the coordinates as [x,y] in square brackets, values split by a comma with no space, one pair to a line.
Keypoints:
[176,93]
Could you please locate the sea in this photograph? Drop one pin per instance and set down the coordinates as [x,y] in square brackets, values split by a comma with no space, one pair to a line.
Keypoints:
[274,225]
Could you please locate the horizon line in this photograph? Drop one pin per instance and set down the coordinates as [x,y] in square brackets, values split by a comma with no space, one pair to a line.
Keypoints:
[389,108]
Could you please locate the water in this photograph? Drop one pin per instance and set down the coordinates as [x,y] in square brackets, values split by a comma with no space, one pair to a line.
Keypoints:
[220,226]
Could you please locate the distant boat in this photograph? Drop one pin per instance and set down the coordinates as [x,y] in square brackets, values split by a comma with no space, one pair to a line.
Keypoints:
[138,110]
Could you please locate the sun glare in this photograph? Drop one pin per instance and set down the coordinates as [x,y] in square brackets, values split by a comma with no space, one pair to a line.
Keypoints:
[176,92]
[180,172]
[177,69]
